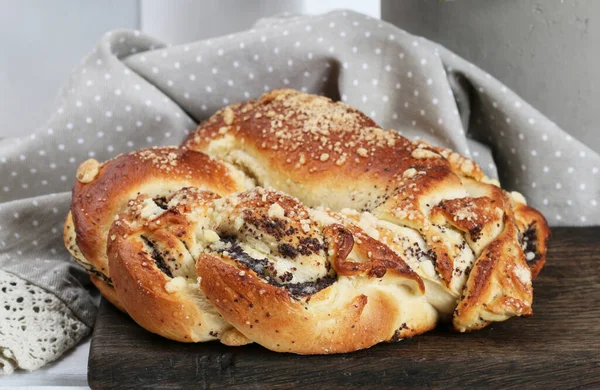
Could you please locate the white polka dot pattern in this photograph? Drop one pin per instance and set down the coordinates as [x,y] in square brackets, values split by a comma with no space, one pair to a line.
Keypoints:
[132,91]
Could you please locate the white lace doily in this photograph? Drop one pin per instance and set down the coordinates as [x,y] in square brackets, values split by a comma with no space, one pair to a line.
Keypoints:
[35,326]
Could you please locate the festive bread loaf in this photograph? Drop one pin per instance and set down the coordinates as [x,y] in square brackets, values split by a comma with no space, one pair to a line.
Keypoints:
[309,229]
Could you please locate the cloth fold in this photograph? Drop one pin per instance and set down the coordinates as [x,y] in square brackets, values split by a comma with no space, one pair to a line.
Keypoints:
[133,91]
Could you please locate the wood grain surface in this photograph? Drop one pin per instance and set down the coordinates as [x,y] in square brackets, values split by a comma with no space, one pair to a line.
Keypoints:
[559,347]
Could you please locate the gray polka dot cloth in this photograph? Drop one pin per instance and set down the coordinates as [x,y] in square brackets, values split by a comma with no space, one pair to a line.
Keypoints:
[133,91]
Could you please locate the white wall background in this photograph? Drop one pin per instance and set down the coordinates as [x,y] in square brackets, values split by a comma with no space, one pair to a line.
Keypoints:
[41,41]
[189,20]
[547,51]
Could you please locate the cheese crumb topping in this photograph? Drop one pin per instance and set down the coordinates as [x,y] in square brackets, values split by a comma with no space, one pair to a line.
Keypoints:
[228,116]
[276,211]
[210,236]
[88,170]
[176,284]
[424,153]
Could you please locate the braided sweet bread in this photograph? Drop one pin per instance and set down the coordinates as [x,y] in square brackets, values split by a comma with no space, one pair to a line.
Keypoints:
[373,237]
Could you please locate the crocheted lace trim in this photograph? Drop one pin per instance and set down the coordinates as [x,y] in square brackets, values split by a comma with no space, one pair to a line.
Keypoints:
[35,326]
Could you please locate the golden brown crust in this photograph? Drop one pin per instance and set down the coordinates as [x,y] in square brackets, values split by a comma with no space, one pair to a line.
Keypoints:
[233,338]
[499,286]
[108,292]
[534,235]
[153,273]
[311,138]
[461,165]
[102,283]
[532,226]
[255,309]
[381,259]
[102,191]
[479,218]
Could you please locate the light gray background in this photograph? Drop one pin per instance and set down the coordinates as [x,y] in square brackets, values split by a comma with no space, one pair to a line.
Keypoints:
[184,21]
[547,51]
[42,41]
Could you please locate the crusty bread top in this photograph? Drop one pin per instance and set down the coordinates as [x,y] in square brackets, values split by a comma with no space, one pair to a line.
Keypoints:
[310,137]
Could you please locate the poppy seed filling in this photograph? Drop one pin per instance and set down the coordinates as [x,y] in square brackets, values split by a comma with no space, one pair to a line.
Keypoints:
[157,256]
[265,269]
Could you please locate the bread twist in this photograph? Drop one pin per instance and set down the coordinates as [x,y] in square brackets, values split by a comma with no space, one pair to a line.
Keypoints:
[102,191]
[291,278]
[372,238]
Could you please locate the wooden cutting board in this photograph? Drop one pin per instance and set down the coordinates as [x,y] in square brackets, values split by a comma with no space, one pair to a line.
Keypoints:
[559,347]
